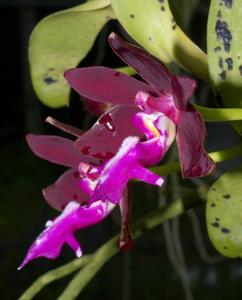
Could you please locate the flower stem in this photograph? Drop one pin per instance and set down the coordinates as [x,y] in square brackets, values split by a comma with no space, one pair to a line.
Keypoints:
[93,263]
[217,156]
[108,250]
[220,114]
[53,275]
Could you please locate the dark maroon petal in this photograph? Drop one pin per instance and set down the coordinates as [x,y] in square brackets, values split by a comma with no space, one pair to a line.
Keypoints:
[183,88]
[105,85]
[103,140]
[64,190]
[55,149]
[188,86]
[147,66]
[64,127]
[95,108]
[191,134]
[153,71]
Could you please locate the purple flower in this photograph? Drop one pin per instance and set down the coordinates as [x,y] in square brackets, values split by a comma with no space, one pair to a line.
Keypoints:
[60,230]
[122,144]
[97,179]
[163,92]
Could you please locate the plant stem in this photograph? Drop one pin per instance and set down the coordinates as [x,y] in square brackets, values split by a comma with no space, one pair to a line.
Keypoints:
[93,263]
[217,156]
[53,275]
[220,114]
[108,250]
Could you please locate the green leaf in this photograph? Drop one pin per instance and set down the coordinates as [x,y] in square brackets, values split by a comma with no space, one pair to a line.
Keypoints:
[91,5]
[152,25]
[224,214]
[183,11]
[61,41]
[219,114]
[225,52]
[126,70]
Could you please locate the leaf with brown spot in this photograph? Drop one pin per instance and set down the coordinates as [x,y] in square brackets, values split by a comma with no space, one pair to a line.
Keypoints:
[59,42]
[224,221]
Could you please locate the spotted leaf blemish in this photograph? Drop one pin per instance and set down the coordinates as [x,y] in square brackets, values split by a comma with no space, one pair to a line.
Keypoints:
[223,75]
[215,224]
[213,204]
[228,3]
[162,8]
[217,49]
[227,196]
[219,14]
[132,16]
[229,62]
[240,70]
[225,230]
[173,23]
[224,34]
[220,63]
[49,80]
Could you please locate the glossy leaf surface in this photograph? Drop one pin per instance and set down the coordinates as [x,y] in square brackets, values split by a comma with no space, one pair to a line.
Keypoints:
[161,35]
[225,52]
[61,41]
[224,214]
[184,11]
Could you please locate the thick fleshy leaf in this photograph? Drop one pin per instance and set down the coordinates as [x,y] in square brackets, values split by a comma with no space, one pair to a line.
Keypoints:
[225,52]
[153,71]
[191,134]
[61,41]
[184,11]
[66,189]
[103,140]
[106,85]
[223,212]
[55,149]
[160,35]
[61,230]
[91,5]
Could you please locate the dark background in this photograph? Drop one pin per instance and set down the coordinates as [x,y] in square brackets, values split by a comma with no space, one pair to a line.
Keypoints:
[144,273]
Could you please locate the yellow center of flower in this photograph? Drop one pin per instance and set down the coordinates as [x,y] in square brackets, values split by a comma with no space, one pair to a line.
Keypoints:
[149,125]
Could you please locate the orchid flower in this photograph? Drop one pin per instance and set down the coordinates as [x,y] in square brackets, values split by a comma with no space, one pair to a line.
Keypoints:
[122,144]
[163,92]
[97,180]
